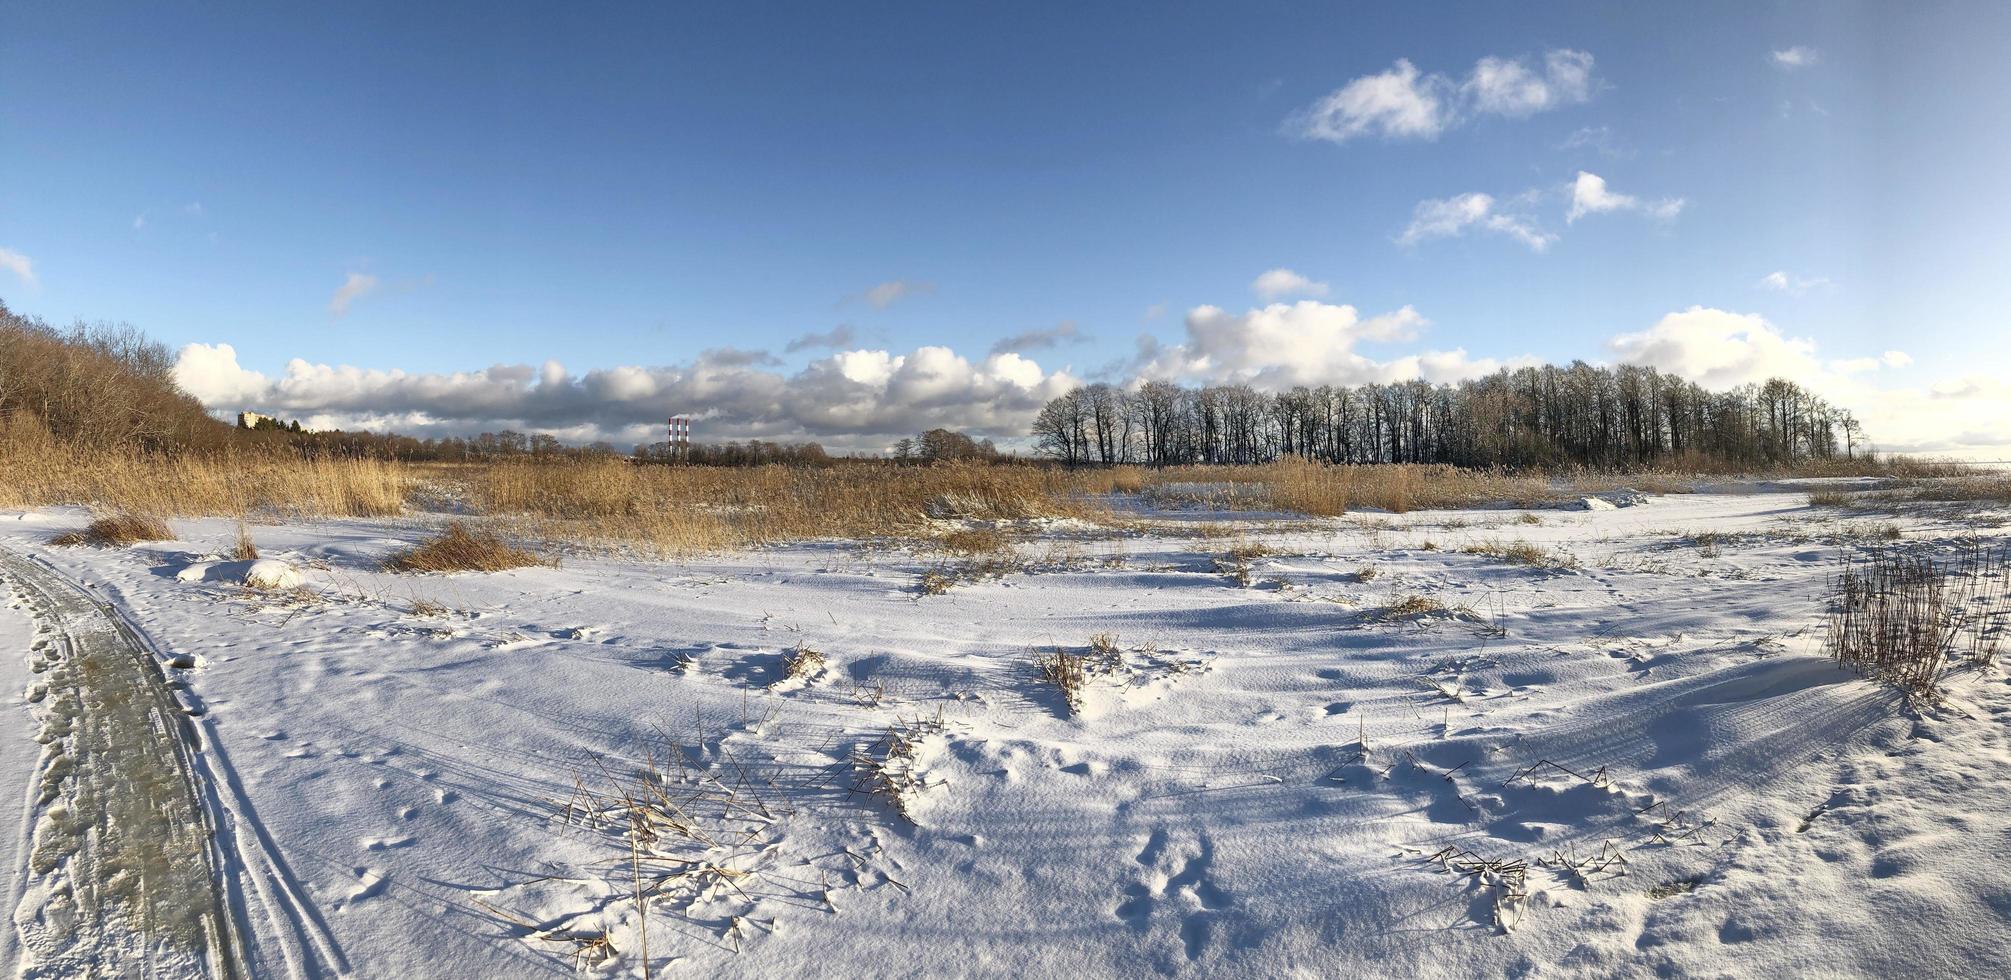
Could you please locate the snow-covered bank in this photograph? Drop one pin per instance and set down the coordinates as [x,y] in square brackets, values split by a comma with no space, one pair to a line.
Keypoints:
[1267,780]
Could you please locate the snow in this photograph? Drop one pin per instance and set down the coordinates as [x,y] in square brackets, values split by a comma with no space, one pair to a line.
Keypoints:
[1262,781]
[262,573]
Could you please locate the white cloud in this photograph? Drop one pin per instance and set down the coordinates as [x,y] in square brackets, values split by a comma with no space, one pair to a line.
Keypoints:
[1799,56]
[1153,312]
[1511,88]
[1720,349]
[1397,104]
[1782,282]
[140,221]
[357,286]
[20,265]
[211,373]
[1304,343]
[851,399]
[1590,196]
[888,293]
[1280,283]
[1453,216]
[1403,103]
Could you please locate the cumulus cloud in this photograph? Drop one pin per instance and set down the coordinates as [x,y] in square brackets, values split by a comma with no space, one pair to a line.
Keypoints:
[888,293]
[1304,343]
[1041,339]
[1589,195]
[1718,349]
[357,286]
[1799,56]
[1453,216]
[1404,103]
[1280,283]
[20,265]
[851,399]
[1782,282]
[841,335]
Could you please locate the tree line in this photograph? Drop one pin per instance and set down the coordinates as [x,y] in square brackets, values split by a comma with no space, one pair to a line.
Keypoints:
[1605,417]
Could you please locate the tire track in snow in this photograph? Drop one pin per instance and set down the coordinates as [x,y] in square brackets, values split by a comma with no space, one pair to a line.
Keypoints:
[119,861]
[118,872]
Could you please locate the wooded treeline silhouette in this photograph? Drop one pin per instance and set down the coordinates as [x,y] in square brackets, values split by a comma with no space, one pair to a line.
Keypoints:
[1581,415]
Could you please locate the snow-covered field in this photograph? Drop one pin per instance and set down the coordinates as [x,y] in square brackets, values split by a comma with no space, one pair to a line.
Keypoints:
[1630,758]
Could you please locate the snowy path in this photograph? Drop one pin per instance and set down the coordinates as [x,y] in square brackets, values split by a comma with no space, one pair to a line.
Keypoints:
[113,872]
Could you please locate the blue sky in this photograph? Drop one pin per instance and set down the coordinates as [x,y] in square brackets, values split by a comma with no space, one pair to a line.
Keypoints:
[633,186]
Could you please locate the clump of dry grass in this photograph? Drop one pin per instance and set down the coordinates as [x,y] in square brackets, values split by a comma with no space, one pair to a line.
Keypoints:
[1410,607]
[245,549]
[948,575]
[1366,574]
[801,663]
[428,607]
[1104,654]
[460,549]
[1068,673]
[1901,618]
[117,531]
[974,541]
[1522,552]
[1238,561]
[890,768]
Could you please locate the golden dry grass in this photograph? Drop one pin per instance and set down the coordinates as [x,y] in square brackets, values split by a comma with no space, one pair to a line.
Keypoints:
[460,549]
[680,509]
[685,509]
[35,471]
[1522,552]
[1300,486]
[117,530]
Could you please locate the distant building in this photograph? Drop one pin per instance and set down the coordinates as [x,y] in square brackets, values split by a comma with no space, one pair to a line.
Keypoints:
[250,420]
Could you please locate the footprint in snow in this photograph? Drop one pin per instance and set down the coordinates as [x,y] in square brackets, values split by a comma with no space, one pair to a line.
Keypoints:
[1176,882]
